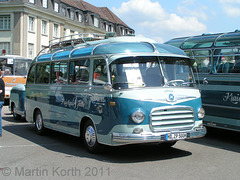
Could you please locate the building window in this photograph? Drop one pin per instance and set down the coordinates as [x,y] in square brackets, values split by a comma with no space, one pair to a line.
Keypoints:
[31,24]
[72,15]
[30,50]
[45,3]
[96,22]
[31,1]
[110,28]
[64,32]
[5,46]
[80,17]
[5,22]
[55,30]
[44,27]
[64,11]
[56,7]
[107,27]
[72,32]
[122,30]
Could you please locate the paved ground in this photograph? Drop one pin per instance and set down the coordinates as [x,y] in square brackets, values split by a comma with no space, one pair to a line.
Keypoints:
[25,155]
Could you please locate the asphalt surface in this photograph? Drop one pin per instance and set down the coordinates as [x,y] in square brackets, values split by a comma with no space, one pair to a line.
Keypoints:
[26,155]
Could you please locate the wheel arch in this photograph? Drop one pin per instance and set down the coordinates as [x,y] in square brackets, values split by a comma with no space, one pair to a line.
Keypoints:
[83,122]
[34,113]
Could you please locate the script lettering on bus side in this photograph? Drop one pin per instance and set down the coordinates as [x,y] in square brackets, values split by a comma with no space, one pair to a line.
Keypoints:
[83,102]
[75,103]
[235,99]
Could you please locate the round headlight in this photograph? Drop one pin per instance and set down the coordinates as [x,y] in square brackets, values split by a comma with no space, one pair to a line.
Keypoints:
[201,113]
[138,116]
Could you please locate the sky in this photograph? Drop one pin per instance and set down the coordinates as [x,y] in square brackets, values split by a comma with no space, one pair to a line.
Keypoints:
[162,20]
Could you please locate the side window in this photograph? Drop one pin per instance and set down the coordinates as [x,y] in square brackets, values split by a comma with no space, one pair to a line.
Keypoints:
[99,72]
[79,72]
[59,73]
[236,68]
[225,64]
[202,60]
[202,65]
[31,75]
[226,60]
[43,72]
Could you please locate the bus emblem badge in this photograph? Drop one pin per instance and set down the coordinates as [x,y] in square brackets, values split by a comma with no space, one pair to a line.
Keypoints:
[170,98]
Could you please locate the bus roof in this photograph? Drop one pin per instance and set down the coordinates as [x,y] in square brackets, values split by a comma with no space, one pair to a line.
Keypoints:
[207,40]
[115,45]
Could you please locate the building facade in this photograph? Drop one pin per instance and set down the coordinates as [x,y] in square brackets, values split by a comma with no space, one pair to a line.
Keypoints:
[27,26]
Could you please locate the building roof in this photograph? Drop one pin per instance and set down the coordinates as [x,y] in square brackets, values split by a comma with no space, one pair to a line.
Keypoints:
[112,16]
[103,12]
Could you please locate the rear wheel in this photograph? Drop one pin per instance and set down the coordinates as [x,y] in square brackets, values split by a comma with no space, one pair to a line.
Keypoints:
[39,126]
[90,138]
[15,115]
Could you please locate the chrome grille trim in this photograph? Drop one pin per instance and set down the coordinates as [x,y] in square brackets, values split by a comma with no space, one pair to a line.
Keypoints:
[172,118]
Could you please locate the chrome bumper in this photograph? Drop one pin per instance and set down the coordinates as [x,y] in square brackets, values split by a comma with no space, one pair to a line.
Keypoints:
[146,137]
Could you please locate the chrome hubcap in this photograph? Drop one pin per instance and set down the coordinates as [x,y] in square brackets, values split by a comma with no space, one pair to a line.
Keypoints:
[90,136]
[39,122]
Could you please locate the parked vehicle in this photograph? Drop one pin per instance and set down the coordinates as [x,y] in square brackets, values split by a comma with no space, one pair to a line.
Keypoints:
[116,91]
[16,103]
[13,71]
[217,59]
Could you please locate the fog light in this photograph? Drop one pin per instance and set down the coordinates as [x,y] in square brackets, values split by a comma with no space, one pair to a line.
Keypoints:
[138,130]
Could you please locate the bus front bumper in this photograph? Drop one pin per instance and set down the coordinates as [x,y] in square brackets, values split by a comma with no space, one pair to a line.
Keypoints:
[146,137]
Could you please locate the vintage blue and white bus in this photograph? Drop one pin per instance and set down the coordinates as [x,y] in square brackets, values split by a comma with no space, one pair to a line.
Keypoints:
[115,91]
[217,59]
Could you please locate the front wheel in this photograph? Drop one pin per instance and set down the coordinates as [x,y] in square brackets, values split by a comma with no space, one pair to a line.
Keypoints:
[39,126]
[90,138]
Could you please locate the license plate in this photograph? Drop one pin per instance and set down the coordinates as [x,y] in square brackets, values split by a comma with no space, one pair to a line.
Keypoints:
[175,136]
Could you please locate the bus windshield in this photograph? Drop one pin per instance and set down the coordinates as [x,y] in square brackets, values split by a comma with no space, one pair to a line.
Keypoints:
[15,67]
[151,72]
[21,67]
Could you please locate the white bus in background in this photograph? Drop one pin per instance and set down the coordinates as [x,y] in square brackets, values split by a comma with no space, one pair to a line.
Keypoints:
[13,71]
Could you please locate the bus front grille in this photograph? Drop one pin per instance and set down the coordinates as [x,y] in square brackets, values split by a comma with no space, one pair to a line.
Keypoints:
[172,118]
